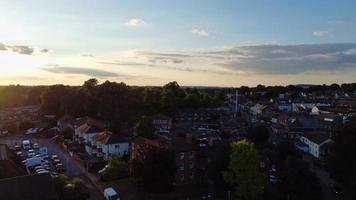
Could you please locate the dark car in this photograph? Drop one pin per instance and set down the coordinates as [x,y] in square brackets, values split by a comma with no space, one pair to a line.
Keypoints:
[337,190]
[60,168]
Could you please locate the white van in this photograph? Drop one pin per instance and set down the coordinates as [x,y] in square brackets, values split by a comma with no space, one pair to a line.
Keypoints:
[26,144]
[111,194]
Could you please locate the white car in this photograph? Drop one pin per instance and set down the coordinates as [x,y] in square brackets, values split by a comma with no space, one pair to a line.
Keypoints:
[111,194]
[30,155]
[35,146]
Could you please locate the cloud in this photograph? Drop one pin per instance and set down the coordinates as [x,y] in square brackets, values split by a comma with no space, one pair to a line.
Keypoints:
[135,22]
[199,32]
[321,33]
[121,63]
[290,59]
[2,47]
[87,55]
[58,69]
[21,49]
[44,50]
[342,22]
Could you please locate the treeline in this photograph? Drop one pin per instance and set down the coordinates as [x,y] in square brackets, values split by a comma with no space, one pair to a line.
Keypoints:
[119,104]
[261,91]
[16,95]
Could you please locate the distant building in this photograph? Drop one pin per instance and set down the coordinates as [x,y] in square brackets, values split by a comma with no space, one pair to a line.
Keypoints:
[162,122]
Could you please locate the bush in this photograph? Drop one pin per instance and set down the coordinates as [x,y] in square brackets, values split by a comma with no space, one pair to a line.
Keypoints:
[94,167]
[116,169]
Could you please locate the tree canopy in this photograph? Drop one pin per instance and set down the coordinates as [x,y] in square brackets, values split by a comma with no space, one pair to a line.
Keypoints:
[70,189]
[155,171]
[243,172]
[342,161]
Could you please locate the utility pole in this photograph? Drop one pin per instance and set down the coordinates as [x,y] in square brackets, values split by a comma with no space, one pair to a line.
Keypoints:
[236,101]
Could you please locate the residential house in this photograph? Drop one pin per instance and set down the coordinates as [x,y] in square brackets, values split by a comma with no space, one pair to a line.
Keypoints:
[185,159]
[162,123]
[184,151]
[108,145]
[66,122]
[85,132]
[315,140]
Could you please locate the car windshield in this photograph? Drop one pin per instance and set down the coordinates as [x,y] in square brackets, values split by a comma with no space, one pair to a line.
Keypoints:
[114,197]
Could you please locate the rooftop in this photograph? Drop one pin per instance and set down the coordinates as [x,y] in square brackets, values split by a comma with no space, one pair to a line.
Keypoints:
[30,187]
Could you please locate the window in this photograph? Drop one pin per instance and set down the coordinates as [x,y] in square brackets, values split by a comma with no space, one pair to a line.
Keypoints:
[191,154]
[181,155]
[191,165]
[117,146]
[181,167]
[191,175]
[181,177]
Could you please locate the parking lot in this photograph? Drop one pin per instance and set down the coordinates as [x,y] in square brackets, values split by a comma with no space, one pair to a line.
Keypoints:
[73,169]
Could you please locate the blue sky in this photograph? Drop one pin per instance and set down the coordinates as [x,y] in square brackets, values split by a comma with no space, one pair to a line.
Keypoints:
[153,42]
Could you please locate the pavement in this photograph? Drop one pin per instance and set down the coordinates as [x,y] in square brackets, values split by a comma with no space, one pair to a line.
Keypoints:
[73,167]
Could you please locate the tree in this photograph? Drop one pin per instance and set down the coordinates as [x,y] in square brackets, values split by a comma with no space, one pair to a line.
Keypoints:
[243,172]
[116,169]
[68,189]
[154,171]
[342,160]
[145,127]
[258,135]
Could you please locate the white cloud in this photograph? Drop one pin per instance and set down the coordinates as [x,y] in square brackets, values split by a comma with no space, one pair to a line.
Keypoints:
[200,32]
[135,22]
[342,22]
[321,33]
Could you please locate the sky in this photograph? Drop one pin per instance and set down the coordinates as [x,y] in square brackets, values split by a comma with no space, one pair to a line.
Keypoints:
[194,42]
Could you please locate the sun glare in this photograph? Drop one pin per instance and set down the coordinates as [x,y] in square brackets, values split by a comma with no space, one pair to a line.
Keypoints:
[15,64]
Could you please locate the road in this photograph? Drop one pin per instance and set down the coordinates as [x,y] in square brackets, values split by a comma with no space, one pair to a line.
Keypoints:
[325,181]
[73,168]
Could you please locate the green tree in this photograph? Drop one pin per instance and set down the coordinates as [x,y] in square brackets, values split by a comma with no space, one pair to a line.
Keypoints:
[74,189]
[243,172]
[154,171]
[116,169]
[145,127]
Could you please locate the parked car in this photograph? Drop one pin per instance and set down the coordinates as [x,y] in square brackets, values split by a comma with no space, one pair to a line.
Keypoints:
[111,194]
[56,161]
[30,155]
[26,144]
[54,157]
[43,172]
[35,146]
[60,168]
[17,147]
[272,179]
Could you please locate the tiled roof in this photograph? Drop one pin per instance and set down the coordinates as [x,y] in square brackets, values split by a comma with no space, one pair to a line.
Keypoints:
[107,137]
